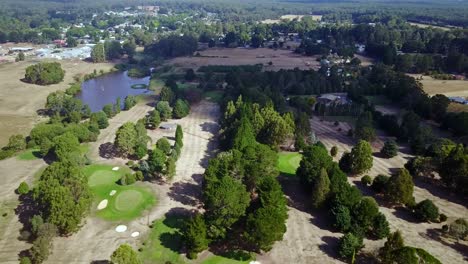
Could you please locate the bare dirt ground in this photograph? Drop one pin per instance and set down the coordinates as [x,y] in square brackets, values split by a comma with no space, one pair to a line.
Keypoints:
[290,17]
[423,235]
[97,239]
[12,172]
[365,60]
[446,87]
[19,101]
[281,59]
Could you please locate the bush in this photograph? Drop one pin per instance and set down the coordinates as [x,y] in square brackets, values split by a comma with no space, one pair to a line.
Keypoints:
[25,260]
[333,151]
[100,118]
[44,73]
[181,109]
[442,218]
[139,176]
[366,180]
[458,229]
[23,188]
[128,179]
[379,184]
[426,211]
[389,149]
[130,101]
[164,145]
[349,245]
[16,143]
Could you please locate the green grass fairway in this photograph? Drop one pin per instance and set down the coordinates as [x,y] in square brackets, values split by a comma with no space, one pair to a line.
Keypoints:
[129,201]
[288,162]
[230,258]
[30,154]
[164,242]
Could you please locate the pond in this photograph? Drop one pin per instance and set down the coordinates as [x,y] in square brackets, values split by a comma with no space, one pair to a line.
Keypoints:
[106,89]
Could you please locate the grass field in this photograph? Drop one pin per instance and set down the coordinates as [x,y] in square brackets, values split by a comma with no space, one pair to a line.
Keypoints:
[129,201]
[288,162]
[239,257]
[164,242]
[214,96]
[456,108]
[30,154]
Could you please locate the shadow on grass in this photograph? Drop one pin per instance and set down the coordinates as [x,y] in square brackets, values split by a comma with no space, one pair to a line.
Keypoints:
[172,241]
[330,247]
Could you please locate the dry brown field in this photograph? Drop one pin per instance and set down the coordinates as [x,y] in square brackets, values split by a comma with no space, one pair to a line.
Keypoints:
[290,17]
[19,101]
[281,59]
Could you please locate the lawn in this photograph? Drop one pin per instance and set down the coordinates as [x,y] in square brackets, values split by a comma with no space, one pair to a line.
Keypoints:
[288,162]
[156,85]
[30,154]
[238,257]
[164,242]
[214,96]
[129,201]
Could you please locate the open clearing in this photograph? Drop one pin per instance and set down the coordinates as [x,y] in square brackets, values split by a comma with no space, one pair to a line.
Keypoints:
[420,25]
[310,236]
[291,17]
[19,101]
[288,162]
[446,87]
[281,59]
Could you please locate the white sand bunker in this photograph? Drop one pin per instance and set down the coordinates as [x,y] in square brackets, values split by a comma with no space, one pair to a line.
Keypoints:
[102,204]
[115,168]
[121,228]
[254,262]
[135,234]
[112,192]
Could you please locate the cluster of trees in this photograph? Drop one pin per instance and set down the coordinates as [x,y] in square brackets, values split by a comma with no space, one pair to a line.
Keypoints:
[359,160]
[173,46]
[162,159]
[349,211]
[242,198]
[44,73]
[112,49]
[15,144]
[132,140]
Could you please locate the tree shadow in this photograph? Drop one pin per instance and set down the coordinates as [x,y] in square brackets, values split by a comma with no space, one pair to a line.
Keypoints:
[211,127]
[108,151]
[435,188]
[186,193]
[330,246]
[405,214]
[25,210]
[172,241]
[100,262]
[438,235]
[295,195]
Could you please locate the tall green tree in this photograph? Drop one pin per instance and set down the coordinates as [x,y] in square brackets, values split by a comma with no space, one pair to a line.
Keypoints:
[195,235]
[98,53]
[126,138]
[320,189]
[400,188]
[125,254]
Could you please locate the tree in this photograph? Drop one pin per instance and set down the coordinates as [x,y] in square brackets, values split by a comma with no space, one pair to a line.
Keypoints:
[320,189]
[23,188]
[129,47]
[129,102]
[426,210]
[16,143]
[244,136]
[195,235]
[454,170]
[108,109]
[20,57]
[314,158]
[349,245]
[164,145]
[393,243]
[118,106]
[179,135]
[400,188]
[167,94]
[164,109]
[98,54]
[44,73]
[71,42]
[365,212]
[341,218]
[157,161]
[366,180]
[380,226]
[153,120]
[170,168]
[411,255]
[225,201]
[361,158]
[364,128]
[458,229]
[66,147]
[333,151]
[181,109]
[100,118]
[389,149]
[126,139]
[190,75]
[125,254]
[379,184]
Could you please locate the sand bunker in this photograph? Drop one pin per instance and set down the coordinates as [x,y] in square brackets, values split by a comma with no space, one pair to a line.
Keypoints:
[115,168]
[135,234]
[112,192]
[121,228]
[102,204]
[254,262]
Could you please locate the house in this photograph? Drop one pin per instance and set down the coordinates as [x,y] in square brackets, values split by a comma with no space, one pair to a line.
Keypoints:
[335,98]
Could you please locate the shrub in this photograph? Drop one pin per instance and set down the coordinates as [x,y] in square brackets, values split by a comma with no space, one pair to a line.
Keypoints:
[139,176]
[164,145]
[128,179]
[44,73]
[341,218]
[16,143]
[426,211]
[100,118]
[23,188]
[379,184]
[366,180]
[389,149]
[181,109]
[333,151]
[349,245]
[129,102]
[442,218]
[458,229]
[25,260]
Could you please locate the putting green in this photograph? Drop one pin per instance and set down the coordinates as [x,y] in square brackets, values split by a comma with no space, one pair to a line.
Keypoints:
[101,177]
[127,200]
[288,162]
[128,203]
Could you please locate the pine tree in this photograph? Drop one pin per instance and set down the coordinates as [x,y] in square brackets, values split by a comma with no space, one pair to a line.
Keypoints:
[320,189]
[195,235]
[400,188]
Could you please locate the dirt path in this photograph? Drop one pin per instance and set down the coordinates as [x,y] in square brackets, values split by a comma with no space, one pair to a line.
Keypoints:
[97,239]
[415,234]
[12,172]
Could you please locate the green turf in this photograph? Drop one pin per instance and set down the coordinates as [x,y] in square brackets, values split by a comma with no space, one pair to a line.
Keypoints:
[30,154]
[164,242]
[215,96]
[128,203]
[288,162]
[229,258]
